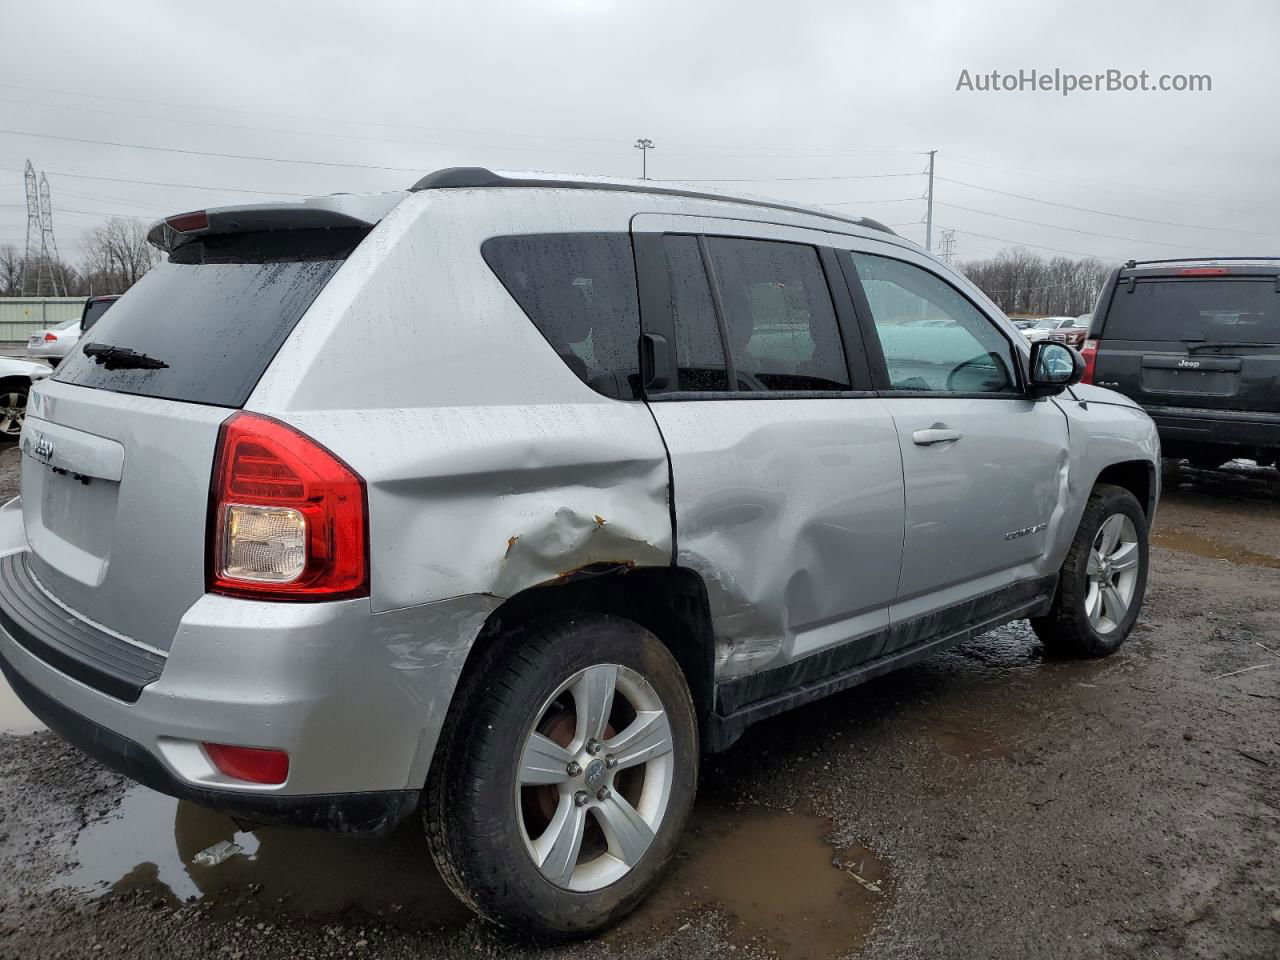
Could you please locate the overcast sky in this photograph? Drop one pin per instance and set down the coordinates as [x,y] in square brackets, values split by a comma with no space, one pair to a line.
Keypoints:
[745,90]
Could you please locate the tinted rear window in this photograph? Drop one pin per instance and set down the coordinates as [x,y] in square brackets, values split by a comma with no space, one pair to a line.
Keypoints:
[1237,311]
[579,289]
[216,312]
[93,311]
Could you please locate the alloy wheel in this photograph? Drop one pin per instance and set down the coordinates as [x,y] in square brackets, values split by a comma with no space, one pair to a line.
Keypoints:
[595,777]
[1112,573]
[13,410]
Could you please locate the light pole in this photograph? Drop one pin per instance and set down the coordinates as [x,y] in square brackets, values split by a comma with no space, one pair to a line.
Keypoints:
[644,145]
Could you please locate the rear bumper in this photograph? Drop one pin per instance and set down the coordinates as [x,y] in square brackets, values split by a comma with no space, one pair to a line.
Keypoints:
[1242,428]
[366,814]
[356,700]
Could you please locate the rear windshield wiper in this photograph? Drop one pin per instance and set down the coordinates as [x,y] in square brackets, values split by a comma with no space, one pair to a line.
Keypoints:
[121,358]
[1194,345]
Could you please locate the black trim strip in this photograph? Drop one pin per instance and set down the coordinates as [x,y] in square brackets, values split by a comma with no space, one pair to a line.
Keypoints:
[745,700]
[73,646]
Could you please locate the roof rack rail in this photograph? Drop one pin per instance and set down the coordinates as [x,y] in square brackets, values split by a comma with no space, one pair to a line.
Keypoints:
[1130,264]
[483,177]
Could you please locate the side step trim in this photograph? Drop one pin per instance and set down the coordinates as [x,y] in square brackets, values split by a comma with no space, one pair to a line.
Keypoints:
[824,674]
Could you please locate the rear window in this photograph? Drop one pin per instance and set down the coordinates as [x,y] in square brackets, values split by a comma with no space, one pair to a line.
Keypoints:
[216,313]
[93,310]
[579,289]
[1237,310]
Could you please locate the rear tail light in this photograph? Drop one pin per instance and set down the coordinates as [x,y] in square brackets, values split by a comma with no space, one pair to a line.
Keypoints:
[1090,353]
[288,519]
[1203,271]
[187,222]
[251,764]
[50,337]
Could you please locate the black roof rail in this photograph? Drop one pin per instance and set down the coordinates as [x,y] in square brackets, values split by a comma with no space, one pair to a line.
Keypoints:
[1130,264]
[483,177]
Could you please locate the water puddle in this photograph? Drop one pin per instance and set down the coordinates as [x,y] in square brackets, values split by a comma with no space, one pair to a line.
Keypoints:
[148,844]
[776,879]
[14,717]
[1205,547]
[772,875]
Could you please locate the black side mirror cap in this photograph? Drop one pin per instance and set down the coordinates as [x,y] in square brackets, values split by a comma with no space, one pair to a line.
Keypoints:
[1054,367]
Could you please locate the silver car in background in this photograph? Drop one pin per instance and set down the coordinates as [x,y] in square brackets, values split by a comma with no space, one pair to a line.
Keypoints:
[648,465]
[56,342]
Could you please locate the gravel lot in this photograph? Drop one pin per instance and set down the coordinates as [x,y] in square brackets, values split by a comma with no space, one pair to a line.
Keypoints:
[988,803]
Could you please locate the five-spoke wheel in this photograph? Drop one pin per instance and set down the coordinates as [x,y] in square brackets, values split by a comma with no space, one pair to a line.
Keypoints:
[595,777]
[564,775]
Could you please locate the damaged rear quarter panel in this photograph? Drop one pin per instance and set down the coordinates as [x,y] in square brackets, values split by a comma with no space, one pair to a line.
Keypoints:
[490,466]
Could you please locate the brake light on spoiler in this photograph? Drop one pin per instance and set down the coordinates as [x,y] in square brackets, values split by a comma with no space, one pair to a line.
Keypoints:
[1203,272]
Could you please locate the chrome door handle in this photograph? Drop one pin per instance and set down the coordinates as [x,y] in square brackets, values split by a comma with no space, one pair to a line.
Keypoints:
[926,438]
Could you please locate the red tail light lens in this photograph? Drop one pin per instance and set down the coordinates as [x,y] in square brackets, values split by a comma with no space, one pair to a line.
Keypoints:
[1090,353]
[251,764]
[288,519]
[1203,272]
[186,222]
[50,337]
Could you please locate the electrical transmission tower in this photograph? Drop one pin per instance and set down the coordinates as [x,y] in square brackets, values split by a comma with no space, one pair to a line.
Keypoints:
[41,268]
[947,246]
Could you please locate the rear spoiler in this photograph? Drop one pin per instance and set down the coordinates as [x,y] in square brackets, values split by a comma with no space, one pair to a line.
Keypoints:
[316,213]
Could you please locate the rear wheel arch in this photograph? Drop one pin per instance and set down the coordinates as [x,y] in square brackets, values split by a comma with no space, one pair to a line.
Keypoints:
[669,602]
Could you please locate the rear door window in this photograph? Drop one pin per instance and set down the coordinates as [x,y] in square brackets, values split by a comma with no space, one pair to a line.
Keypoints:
[778,315]
[700,359]
[579,289]
[213,315]
[1231,310]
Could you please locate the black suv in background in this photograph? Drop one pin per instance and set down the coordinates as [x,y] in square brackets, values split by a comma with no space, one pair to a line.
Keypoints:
[1197,344]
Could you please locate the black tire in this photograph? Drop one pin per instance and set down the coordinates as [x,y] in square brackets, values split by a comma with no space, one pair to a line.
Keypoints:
[13,396]
[472,811]
[1066,630]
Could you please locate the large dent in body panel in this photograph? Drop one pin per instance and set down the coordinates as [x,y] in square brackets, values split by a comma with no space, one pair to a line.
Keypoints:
[1101,431]
[417,367]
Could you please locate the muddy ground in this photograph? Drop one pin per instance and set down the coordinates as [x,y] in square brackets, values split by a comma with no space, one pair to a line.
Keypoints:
[988,803]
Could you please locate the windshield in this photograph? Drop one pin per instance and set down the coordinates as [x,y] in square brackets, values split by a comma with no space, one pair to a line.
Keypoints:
[1244,310]
[213,316]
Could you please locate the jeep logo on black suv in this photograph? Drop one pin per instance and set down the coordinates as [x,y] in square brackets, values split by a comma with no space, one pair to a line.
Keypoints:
[1189,364]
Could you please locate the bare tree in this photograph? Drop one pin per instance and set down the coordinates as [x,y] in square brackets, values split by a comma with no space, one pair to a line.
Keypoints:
[10,271]
[1020,281]
[117,255]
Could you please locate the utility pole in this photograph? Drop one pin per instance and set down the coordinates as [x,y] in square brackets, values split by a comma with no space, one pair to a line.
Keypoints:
[928,223]
[644,145]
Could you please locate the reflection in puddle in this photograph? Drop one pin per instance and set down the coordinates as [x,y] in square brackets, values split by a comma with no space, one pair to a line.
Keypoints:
[149,843]
[14,717]
[771,874]
[775,877]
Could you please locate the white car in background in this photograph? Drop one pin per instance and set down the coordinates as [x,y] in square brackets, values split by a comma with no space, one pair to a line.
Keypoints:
[1046,326]
[16,377]
[56,342]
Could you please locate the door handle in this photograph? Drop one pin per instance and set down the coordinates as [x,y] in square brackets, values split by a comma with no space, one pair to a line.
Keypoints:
[925,438]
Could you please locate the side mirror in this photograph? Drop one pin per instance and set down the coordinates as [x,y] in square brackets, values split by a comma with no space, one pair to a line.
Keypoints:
[1054,367]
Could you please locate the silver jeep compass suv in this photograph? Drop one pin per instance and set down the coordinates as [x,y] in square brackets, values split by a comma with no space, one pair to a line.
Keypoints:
[504,498]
